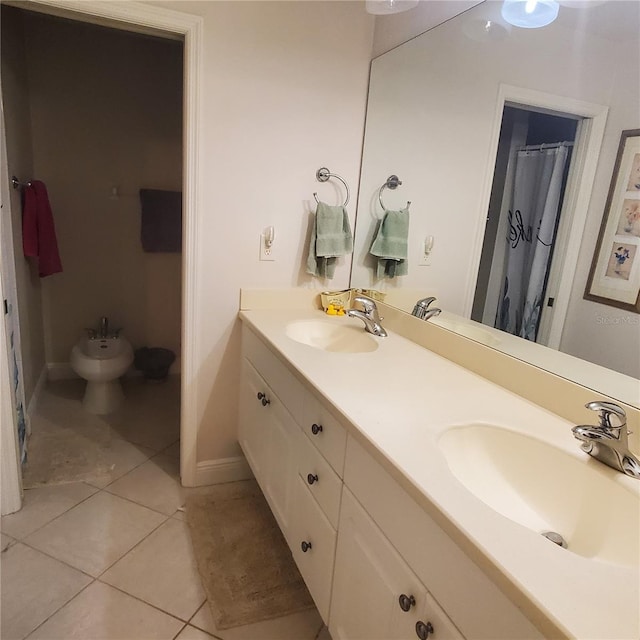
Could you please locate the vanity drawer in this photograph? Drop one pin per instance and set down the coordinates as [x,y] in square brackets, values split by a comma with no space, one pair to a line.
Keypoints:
[311,527]
[289,389]
[325,432]
[321,480]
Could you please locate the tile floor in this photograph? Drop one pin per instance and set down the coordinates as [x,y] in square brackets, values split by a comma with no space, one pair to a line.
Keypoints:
[104,553]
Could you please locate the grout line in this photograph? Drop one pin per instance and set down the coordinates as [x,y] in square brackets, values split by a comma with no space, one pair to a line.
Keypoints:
[139,599]
[137,544]
[63,512]
[194,624]
[181,630]
[60,608]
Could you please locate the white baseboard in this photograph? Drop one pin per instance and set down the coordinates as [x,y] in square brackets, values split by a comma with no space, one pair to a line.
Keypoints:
[222,470]
[35,396]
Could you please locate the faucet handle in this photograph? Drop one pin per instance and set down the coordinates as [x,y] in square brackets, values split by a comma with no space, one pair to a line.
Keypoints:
[607,409]
[91,333]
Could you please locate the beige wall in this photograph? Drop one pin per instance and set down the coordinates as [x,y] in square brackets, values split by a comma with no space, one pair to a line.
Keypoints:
[15,97]
[106,111]
[284,88]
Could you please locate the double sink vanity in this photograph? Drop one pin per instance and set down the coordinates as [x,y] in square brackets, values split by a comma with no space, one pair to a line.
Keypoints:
[419,499]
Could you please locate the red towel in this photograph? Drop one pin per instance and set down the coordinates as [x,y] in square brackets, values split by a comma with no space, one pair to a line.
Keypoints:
[38,230]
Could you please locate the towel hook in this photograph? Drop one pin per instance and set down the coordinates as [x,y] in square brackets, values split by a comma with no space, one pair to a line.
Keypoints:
[392,182]
[323,174]
[17,184]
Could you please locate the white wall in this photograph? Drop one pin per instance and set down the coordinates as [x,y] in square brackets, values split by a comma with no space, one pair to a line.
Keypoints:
[106,110]
[430,121]
[284,93]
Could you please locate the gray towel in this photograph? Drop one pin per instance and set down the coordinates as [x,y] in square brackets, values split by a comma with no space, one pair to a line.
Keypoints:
[161,226]
[330,238]
[390,244]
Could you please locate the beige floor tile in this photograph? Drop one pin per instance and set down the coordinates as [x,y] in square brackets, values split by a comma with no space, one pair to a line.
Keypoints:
[172,450]
[33,587]
[298,626]
[150,415]
[101,612]
[5,541]
[43,504]
[154,484]
[96,533]
[191,633]
[162,571]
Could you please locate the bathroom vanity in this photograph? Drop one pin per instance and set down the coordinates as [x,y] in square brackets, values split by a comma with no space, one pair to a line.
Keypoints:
[400,481]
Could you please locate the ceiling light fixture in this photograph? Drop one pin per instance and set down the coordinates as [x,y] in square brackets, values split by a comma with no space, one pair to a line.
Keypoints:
[387,7]
[530,14]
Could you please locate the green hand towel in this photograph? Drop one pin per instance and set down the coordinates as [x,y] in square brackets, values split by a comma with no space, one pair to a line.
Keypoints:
[330,238]
[391,244]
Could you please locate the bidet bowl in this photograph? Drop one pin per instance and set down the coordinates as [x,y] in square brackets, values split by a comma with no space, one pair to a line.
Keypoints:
[332,335]
[544,488]
[101,362]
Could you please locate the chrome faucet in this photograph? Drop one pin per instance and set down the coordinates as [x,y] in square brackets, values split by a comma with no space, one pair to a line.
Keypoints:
[606,442]
[104,327]
[422,311]
[368,315]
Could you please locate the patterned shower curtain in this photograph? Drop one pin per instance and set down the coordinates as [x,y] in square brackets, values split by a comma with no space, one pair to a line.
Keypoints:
[533,214]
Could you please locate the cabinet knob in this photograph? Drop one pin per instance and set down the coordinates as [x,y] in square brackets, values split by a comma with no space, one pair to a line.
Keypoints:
[263,398]
[316,429]
[423,631]
[311,478]
[305,546]
[406,602]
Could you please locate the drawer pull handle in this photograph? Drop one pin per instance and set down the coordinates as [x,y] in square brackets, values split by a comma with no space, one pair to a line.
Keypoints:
[305,546]
[311,478]
[406,602]
[316,429]
[263,398]
[423,631]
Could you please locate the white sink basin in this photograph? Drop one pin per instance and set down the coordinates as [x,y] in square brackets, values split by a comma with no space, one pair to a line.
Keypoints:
[331,335]
[545,489]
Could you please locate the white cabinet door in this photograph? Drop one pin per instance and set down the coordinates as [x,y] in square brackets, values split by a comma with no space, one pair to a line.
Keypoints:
[369,580]
[375,593]
[269,436]
[253,419]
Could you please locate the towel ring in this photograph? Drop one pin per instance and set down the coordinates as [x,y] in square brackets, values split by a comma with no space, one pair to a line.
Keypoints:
[323,174]
[393,182]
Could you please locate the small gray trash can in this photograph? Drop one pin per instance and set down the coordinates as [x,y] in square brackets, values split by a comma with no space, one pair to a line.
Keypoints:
[153,362]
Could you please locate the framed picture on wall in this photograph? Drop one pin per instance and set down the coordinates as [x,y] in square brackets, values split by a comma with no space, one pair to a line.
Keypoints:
[614,278]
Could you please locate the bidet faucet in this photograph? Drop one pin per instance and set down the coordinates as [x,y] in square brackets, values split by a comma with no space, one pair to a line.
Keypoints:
[607,442]
[421,309]
[368,315]
[104,327]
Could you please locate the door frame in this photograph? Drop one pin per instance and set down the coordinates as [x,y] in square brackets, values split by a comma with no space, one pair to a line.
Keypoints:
[586,152]
[135,16]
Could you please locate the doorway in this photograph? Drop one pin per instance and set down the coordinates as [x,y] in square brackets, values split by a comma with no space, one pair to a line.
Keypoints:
[530,177]
[172,24]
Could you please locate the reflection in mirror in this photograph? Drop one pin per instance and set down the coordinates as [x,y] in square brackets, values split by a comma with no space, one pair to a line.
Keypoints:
[449,112]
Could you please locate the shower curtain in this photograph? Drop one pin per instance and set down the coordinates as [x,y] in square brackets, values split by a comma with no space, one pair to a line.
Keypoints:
[533,215]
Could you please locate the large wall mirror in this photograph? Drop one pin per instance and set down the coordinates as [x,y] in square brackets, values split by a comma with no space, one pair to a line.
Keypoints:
[449,112]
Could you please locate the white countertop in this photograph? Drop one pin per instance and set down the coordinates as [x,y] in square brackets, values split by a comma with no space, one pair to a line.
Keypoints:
[401,398]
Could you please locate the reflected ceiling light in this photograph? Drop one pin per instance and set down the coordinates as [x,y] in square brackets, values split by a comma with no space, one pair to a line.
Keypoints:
[530,14]
[387,7]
